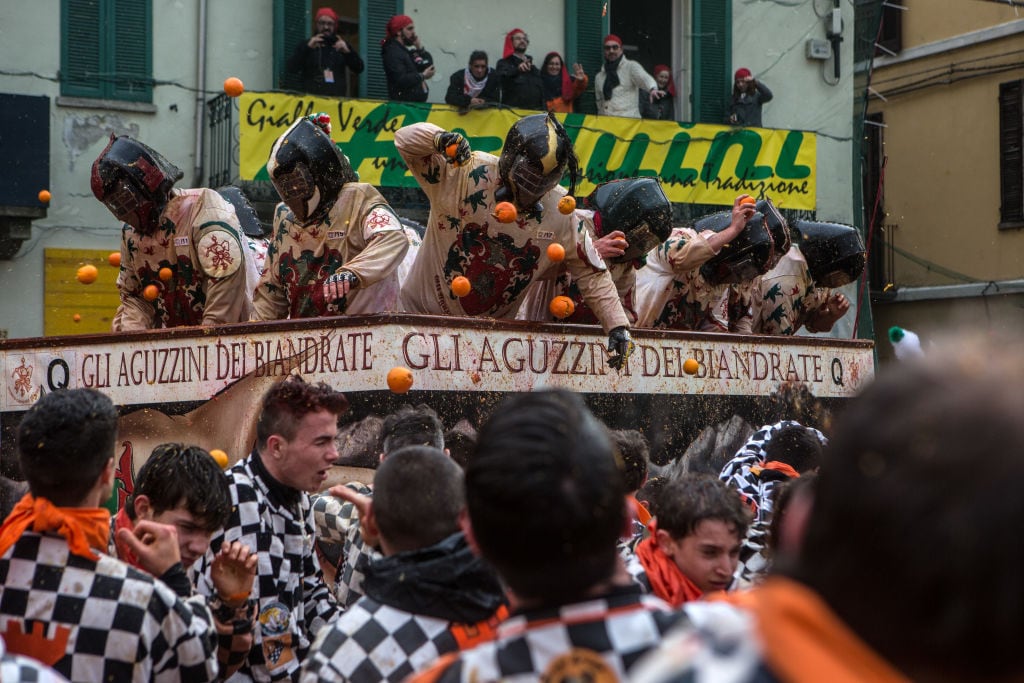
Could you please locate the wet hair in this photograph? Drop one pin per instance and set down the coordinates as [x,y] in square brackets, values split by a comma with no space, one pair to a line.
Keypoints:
[412,426]
[176,474]
[478,54]
[796,446]
[412,515]
[545,496]
[690,499]
[649,492]
[795,401]
[287,402]
[915,537]
[634,453]
[64,442]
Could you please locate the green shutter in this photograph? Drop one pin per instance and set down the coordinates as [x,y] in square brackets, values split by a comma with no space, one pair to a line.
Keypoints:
[80,48]
[130,48]
[586,25]
[712,60]
[373,19]
[292,25]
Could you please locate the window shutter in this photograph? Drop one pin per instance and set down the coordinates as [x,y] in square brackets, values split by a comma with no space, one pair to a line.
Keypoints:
[80,48]
[373,20]
[292,25]
[1011,152]
[130,46]
[585,29]
[712,60]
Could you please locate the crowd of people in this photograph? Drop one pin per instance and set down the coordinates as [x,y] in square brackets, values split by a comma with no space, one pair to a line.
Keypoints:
[547,552]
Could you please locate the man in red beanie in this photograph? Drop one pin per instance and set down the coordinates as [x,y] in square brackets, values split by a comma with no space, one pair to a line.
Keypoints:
[322,59]
[521,84]
[748,94]
[407,65]
[622,82]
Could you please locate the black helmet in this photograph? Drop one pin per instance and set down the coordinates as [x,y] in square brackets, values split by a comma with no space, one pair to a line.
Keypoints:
[777,227]
[308,170]
[536,155]
[247,217]
[741,260]
[636,206]
[834,252]
[133,181]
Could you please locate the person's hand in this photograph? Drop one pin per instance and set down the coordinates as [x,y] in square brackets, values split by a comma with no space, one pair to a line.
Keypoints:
[620,345]
[338,285]
[578,72]
[526,65]
[656,95]
[428,73]
[453,146]
[233,572]
[362,504]
[156,545]
[829,313]
[742,212]
[315,42]
[732,118]
[477,102]
[611,245]
[341,46]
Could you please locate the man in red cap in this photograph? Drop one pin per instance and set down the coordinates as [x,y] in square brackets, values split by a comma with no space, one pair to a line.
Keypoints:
[406,64]
[521,84]
[621,82]
[322,59]
[748,94]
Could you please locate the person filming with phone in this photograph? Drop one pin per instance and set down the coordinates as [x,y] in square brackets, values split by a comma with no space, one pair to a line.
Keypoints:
[321,60]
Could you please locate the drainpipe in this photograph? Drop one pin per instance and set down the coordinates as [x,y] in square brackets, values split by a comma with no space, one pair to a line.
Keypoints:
[200,96]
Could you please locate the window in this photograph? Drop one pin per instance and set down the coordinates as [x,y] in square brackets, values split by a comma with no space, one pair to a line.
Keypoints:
[712,60]
[890,36]
[1011,158]
[107,49]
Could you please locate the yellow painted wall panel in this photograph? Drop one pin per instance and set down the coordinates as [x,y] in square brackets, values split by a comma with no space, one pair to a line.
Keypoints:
[64,296]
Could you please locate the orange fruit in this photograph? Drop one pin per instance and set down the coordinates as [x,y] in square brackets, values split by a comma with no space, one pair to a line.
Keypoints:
[77,318]
[690,366]
[748,200]
[461,285]
[87,274]
[556,252]
[399,379]
[561,307]
[150,292]
[221,457]
[114,259]
[505,212]
[166,274]
[567,204]
[44,196]
[233,86]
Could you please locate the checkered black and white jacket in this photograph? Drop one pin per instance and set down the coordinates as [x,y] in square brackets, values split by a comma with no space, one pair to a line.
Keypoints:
[293,602]
[597,640]
[100,620]
[337,523]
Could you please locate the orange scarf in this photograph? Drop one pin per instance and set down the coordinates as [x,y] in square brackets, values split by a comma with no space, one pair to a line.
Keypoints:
[804,641]
[84,528]
[667,582]
[784,468]
[640,511]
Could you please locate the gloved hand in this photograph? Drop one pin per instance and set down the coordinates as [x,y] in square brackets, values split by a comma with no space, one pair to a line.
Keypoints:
[621,346]
[453,146]
[339,284]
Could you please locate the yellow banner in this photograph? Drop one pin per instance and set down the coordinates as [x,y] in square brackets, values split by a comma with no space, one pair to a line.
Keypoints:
[697,163]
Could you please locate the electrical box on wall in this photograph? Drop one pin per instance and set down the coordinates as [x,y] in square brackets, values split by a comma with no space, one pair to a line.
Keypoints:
[818,49]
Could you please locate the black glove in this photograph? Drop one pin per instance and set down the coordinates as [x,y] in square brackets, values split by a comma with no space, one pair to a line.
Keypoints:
[443,143]
[621,346]
[338,285]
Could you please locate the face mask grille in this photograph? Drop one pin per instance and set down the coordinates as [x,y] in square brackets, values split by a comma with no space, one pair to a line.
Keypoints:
[122,201]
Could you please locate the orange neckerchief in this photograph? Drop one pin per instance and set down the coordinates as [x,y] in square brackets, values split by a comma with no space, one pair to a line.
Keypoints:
[124,551]
[643,515]
[667,582]
[84,528]
[784,468]
[804,641]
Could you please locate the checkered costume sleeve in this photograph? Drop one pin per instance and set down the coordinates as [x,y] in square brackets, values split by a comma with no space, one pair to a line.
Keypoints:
[101,620]
[333,517]
[356,557]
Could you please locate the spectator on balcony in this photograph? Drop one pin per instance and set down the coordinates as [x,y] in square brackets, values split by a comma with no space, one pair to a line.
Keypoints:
[663,108]
[407,65]
[521,83]
[748,96]
[560,89]
[475,86]
[621,82]
[322,59]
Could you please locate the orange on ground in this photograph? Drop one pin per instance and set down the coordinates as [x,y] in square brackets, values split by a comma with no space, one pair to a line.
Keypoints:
[567,204]
[461,285]
[114,259]
[77,318]
[87,274]
[233,86]
[166,274]
[150,292]
[691,366]
[561,307]
[399,379]
[556,252]
[44,196]
[221,457]
[748,200]
[505,212]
